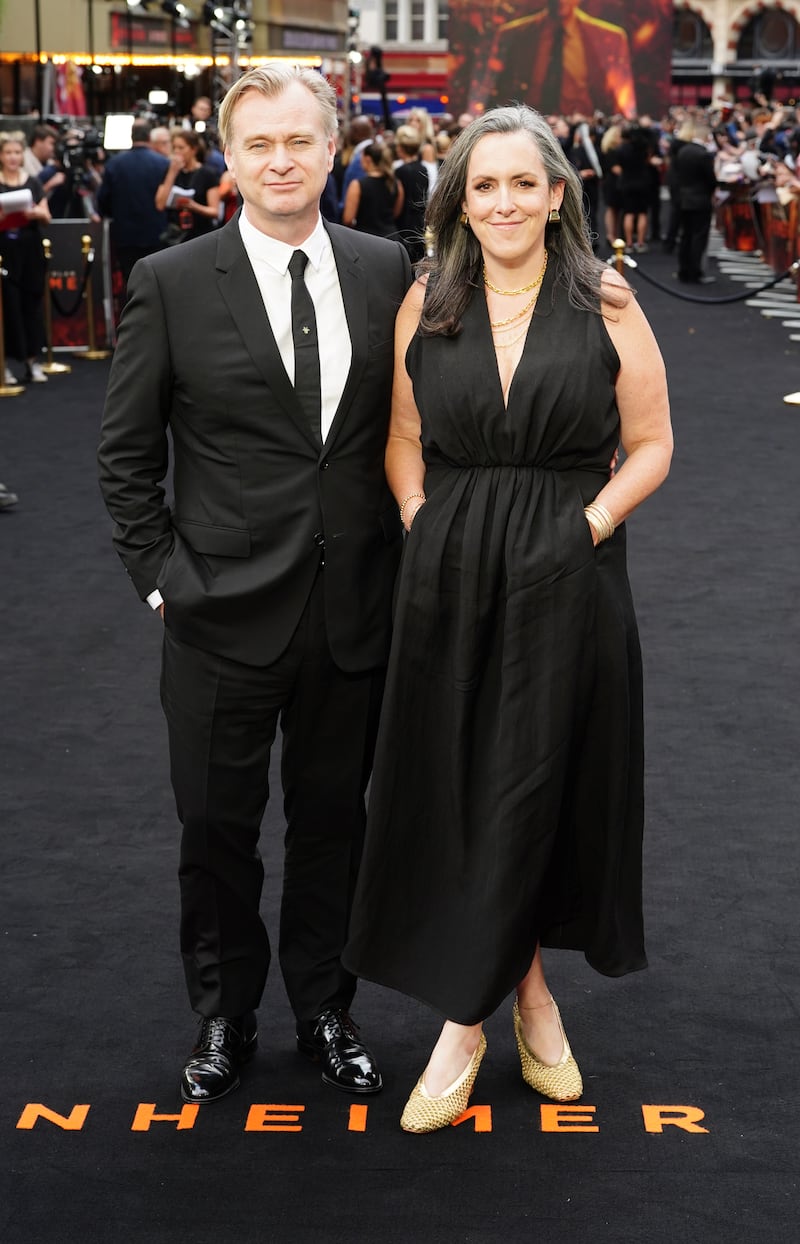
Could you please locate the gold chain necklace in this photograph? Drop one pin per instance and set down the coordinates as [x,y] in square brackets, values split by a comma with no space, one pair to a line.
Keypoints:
[525,310]
[506,345]
[524,289]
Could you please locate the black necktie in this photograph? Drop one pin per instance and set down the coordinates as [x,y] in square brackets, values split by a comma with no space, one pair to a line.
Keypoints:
[551,87]
[306,346]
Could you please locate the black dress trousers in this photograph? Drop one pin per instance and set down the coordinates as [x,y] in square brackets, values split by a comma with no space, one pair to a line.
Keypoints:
[222,719]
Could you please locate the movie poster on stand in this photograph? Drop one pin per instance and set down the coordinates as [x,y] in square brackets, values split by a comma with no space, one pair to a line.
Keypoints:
[563,57]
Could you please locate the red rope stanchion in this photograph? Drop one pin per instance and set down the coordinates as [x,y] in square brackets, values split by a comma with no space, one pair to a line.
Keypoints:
[51,368]
[712,302]
[92,352]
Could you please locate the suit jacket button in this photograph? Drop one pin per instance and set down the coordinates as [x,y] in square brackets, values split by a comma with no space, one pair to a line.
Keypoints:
[325,466]
[319,538]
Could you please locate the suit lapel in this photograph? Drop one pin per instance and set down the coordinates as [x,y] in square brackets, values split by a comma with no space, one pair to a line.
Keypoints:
[352,280]
[239,290]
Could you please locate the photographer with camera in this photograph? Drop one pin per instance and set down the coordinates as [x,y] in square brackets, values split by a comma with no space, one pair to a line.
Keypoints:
[79,156]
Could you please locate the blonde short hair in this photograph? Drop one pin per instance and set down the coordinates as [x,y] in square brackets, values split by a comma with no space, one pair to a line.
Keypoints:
[271,80]
[408,138]
[11,136]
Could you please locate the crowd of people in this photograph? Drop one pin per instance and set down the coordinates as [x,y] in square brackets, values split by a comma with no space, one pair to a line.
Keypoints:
[646,181]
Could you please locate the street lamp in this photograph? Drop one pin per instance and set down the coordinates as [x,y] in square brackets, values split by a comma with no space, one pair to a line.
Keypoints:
[177,11]
[352,58]
[234,24]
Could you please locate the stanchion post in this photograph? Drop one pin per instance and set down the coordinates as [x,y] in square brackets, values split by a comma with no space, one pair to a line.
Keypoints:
[51,368]
[619,255]
[6,390]
[92,352]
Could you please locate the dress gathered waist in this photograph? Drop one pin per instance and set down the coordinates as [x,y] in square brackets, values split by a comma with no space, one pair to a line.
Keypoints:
[443,464]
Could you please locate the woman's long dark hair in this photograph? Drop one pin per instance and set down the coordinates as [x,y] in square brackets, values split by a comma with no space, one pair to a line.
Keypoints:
[456,264]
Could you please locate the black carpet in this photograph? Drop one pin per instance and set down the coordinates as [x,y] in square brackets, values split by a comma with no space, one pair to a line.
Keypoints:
[92,1002]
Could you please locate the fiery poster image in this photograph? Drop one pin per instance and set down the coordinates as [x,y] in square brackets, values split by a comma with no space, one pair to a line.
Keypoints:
[561,56]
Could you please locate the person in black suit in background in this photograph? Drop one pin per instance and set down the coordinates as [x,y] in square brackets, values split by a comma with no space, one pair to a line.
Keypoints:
[696,181]
[266,349]
[127,194]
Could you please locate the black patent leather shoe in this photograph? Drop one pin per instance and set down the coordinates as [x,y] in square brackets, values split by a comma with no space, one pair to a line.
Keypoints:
[333,1039]
[212,1068]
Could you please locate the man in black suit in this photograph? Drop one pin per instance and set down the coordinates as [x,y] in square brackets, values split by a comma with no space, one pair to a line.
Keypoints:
[127,194]
[266,349]
[695,181]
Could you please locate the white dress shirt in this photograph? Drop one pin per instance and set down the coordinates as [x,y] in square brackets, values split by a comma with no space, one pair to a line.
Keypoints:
[269,260]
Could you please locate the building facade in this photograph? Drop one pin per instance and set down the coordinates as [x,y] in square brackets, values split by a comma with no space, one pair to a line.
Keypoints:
[719,47]
[118,52]
[114,53]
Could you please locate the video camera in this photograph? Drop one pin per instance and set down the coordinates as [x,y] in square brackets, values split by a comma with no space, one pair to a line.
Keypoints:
[79,154]
[77,149]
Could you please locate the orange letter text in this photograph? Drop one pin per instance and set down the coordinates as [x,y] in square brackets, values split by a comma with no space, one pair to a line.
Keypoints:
[563,1118]
[274,1119]
[656,1118]
[73,1122]
[357,1120]
[482,1116]
[145,1115]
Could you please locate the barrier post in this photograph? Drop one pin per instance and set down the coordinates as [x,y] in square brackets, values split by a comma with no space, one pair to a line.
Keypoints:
[92,352]
[6,390]
[618,246]
[50,368]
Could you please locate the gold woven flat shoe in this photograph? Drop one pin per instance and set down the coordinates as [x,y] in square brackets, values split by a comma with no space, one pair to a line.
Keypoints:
[424,1113]
[560,1082]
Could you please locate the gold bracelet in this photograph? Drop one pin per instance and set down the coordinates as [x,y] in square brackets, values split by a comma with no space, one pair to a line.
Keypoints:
[604,513]
[600,520]
[410,497]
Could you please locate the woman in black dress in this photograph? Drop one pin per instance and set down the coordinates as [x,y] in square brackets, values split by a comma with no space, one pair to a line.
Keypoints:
[610,144]
[197,213]
[635,164]
[23,260]
[506,807]
[373,203]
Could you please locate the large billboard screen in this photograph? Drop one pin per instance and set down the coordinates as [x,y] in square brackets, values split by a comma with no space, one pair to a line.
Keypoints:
[562,57]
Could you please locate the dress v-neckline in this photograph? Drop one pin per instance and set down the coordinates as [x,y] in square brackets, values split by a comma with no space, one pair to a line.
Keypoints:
[506,395]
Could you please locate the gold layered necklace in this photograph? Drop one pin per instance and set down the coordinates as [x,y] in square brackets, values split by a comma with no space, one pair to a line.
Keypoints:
[526,310]
[518,323]
[506,345]
[524,289]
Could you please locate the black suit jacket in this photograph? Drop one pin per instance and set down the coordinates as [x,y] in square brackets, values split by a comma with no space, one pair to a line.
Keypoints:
[255,496]
[127,194]
[695,178]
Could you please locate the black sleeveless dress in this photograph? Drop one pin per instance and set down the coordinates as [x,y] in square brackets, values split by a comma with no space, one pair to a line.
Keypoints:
[506,803]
